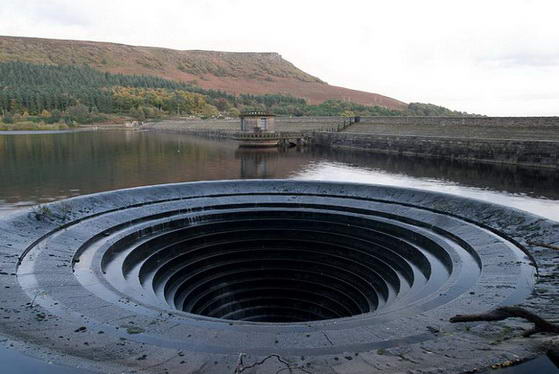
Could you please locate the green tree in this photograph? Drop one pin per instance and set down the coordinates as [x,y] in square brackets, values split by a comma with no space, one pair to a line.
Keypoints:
[138,114]
[8,118]
[78,113]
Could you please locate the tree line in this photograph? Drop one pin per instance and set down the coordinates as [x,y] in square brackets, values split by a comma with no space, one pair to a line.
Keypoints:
[83,94]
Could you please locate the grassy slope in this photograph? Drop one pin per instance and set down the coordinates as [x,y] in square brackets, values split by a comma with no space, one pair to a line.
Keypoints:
[233,72]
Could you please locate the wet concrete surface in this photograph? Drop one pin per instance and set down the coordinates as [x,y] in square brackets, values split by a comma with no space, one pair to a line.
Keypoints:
[14,362]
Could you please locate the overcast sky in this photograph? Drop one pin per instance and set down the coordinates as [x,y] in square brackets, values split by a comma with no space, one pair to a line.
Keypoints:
[495,57]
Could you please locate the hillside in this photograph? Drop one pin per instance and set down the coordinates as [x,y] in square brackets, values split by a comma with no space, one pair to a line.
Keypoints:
[233,72]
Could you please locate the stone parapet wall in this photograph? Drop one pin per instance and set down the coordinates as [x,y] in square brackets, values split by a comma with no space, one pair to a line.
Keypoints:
[282,124]
[194,125]
[459,131]
[469,121]
[516,152]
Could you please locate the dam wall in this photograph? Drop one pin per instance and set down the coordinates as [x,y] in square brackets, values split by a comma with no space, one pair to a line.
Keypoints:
[533,153]
[527,141]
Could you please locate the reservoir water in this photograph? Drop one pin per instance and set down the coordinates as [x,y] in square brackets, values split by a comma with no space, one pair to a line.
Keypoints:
[40,167]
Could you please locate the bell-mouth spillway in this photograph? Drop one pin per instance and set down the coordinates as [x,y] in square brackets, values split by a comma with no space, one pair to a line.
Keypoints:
[282,262]
[215,270]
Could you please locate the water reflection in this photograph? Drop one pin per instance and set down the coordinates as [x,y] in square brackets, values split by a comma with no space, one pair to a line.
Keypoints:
[35,168]
[258,163]
[336,171]
[506,178]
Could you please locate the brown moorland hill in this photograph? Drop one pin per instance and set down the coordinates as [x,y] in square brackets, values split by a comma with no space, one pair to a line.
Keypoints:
[234,72]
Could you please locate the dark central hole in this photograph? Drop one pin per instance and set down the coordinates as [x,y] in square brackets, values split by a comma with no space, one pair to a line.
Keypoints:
[277,264]
[276,269]
[273,279]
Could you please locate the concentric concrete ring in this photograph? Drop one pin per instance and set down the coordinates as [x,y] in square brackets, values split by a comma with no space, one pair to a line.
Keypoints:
[265,276]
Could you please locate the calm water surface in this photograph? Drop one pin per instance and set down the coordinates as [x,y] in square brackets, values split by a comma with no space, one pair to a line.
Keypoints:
[41,167]
[37,168]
